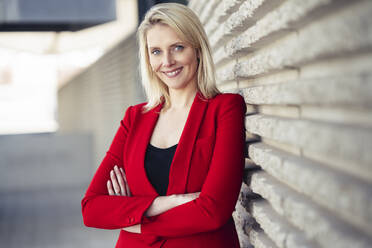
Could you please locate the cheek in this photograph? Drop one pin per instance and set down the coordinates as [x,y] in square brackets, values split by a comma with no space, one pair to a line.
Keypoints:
[155,65]
[190,60]
[193,64]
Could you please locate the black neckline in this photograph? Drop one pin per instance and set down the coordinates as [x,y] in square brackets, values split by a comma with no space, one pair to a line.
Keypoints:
[161,149]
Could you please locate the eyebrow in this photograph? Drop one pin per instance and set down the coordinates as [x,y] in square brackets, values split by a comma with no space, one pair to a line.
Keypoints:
[174,44]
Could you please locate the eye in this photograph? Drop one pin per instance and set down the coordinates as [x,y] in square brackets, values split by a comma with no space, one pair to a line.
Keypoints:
[179,48]
[155,52]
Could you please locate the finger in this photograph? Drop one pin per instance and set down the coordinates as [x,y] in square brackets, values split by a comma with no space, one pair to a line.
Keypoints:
[115,183]
[109,188]
[194,196]
[120,179]
[126,182]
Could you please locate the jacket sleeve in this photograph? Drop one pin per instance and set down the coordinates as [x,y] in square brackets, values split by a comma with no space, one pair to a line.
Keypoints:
[221,188]
[112,212]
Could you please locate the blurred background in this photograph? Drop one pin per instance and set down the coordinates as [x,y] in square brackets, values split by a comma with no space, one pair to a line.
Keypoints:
[68,71]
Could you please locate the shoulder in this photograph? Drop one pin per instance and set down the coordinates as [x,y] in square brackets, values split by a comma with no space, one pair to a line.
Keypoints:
[137,108]
[228,108]
[226,100]
[133,110]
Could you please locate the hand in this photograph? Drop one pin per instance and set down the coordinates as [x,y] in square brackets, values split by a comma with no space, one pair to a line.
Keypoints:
[118,184]
[133,229]
[162,204]
[184,198]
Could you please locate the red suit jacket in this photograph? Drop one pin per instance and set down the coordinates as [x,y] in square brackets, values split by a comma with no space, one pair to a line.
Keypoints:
[209,158]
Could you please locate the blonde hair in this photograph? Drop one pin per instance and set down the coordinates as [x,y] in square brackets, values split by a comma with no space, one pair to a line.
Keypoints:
[188,27]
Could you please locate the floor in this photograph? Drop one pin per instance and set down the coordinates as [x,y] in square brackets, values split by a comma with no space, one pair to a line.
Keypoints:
[46,219]
[42,180]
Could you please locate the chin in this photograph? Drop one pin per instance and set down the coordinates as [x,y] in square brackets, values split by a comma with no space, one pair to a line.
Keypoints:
[175,85]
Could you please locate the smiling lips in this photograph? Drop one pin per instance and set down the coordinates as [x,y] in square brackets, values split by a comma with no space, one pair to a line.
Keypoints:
[173,73]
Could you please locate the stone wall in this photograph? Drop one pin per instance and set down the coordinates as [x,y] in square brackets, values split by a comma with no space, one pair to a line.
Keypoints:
[304,69]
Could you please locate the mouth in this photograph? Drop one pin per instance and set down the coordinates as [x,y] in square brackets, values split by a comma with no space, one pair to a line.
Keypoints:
[173,73]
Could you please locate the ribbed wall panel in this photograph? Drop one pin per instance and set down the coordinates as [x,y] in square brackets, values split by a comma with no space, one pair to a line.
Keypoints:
[304,69]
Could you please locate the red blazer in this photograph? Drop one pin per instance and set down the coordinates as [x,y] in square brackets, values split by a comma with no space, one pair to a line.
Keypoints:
[209,158]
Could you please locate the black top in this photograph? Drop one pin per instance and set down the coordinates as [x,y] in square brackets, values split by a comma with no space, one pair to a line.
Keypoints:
[157,166]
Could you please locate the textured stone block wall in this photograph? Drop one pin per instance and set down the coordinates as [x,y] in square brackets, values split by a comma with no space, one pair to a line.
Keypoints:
[95,100]
[305,71]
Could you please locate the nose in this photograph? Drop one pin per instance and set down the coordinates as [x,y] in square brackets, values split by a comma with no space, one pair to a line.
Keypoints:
[168,59]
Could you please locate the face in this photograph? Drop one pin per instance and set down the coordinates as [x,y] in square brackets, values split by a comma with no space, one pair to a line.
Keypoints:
[173,60]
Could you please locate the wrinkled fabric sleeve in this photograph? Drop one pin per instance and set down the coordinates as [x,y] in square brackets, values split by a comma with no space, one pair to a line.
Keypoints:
[101,210]
[221,188]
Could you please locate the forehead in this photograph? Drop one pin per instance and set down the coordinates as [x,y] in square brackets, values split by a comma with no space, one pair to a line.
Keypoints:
[161,35]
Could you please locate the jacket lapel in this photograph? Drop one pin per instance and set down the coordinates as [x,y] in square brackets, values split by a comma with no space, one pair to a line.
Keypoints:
[182,157]
[140,142]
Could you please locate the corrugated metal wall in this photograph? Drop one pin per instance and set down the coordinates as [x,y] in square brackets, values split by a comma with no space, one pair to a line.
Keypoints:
[304,68]
[95,100]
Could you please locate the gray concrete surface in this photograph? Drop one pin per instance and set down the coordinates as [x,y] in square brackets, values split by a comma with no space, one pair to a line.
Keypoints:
[42,180]
[47,218]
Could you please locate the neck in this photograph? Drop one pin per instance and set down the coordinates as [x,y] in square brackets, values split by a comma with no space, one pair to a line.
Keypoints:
[181,99]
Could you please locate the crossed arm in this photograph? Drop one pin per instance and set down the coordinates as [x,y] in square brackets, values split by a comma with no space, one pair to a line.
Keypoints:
[176,215]
[117,185]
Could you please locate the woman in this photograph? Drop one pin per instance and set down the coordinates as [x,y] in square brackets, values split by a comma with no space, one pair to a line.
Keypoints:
[173,172]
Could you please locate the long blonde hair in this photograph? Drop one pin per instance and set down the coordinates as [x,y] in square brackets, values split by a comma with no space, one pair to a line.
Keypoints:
[188,27]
